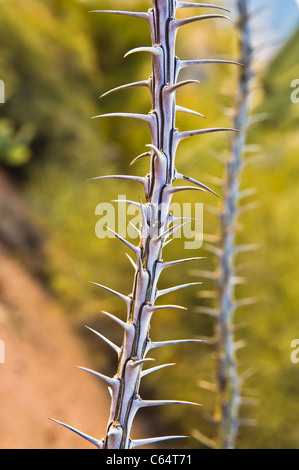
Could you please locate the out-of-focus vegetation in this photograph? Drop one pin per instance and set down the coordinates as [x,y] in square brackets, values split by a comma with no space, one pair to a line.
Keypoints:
[56,59]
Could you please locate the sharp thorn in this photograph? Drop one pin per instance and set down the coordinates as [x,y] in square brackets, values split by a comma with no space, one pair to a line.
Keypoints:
[111,382]
[118,294]
[139,157]
[177,189]
[172,289]
[134,248]
[126,201]
[189,111]
[178,23]
[139,362]
[127,85]
[155,308]
[110,343]
[148,403]
[138,179]
[189,63]
[152,50]
[125,326]
[169,264]
[135,228]
[131,261]
[142,117]
[173,229]
[159,344]
[154,369]
[157,151]
[194,181]
[136,14]
[96,442]
[200,5]
[184,135]
[176,86]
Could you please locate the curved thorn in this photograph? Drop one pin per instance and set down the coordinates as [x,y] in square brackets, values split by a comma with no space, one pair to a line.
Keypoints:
[154,369]
[127,85]
[111,382]
[188,63]
[136,14]
[163,307]
[172,230]
[152,440]
[176,86]
[138,179]
[200,5]
[118,294]
[127,201]
[152,50]
[157,151]
[159,344]
[142,117]
[143,214]
[142,155]
[189,111]
[172,289]
[169,264]
[139,362]
[148,403]
[184,135]
[176,189]
[110,343]
[178,23]
[90,439]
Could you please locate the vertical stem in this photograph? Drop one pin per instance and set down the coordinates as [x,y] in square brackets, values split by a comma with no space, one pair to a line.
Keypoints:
[144,291]
[228,381]
[156,219]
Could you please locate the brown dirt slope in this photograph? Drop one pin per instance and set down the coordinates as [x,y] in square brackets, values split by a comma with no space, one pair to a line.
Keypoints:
[39,379]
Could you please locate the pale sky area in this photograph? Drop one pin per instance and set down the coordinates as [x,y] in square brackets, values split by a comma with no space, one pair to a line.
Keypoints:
[275,23]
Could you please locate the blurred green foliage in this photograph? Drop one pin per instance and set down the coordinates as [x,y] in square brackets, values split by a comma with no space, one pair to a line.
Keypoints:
[56,59]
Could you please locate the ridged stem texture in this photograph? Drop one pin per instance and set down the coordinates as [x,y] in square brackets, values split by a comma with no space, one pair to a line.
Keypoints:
[157,223]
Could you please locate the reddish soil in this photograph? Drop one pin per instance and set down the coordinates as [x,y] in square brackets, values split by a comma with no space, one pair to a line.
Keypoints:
[39,379]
